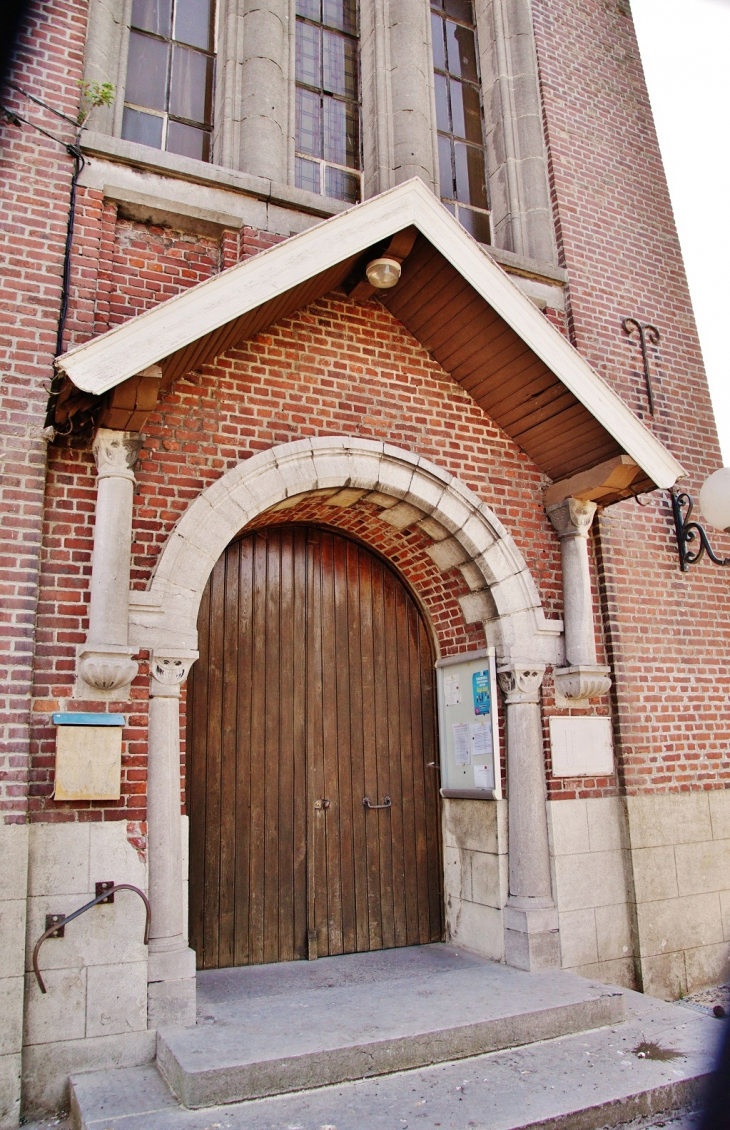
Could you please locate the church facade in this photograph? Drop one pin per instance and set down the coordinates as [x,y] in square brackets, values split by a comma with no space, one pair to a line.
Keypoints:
[343,601]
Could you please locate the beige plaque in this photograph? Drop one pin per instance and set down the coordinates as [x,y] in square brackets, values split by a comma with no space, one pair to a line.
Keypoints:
[581,747]
[88,762]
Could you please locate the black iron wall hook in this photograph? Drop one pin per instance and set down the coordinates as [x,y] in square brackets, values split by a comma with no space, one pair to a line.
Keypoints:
[689,532]
[646,332]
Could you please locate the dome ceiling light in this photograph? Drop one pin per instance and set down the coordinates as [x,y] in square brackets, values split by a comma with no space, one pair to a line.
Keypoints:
[383,273]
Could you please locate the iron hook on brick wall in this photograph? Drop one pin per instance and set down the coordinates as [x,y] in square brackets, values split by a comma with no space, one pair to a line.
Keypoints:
[646,332]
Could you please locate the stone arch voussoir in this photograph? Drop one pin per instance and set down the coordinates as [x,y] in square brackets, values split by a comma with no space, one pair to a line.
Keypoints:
[410,490]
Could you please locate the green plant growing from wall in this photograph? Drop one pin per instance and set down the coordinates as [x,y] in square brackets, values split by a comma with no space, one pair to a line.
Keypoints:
[93,95]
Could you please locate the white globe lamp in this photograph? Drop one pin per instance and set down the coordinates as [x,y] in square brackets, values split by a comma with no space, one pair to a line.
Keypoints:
[715,499]
[383,273]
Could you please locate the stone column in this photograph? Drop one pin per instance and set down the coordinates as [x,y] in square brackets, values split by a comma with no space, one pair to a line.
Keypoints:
[519,185]
[171,968]
[377,116]
[106,667]
[263,89]
[530,916]
[415,152]
[583,678]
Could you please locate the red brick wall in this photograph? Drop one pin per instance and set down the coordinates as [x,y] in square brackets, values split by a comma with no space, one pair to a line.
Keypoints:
[668,632]
[334,368]
[35,174]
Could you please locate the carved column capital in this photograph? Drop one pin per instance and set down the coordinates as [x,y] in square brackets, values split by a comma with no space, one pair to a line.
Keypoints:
[576,686]
[521,681]
[116,453]
[106,671]
[168,672]
[572,517]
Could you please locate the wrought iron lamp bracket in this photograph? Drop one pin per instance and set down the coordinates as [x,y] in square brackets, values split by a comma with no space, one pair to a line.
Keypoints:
[689,533]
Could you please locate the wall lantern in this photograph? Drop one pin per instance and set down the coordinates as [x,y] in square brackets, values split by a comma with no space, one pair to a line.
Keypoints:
[692,541]
[383,273]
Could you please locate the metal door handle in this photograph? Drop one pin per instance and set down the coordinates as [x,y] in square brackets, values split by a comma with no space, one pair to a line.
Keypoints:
[386,803]
[319,804]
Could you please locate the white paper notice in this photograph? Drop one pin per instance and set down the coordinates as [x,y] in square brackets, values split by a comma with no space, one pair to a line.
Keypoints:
[481,740]
[460,731]
[483,777]
[452,690]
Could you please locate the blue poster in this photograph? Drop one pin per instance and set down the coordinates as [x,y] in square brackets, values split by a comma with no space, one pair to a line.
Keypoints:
[481,692]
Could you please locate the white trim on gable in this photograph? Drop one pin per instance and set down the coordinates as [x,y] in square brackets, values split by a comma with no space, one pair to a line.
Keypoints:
[106,361]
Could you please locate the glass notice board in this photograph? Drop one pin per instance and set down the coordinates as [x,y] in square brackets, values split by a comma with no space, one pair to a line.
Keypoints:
[468,731]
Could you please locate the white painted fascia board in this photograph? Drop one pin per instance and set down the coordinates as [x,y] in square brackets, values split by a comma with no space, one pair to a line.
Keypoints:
[106,361]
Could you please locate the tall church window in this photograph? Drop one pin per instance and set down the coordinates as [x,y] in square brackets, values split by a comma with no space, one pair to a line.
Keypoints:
[328,99]
[459,119]
[168,94]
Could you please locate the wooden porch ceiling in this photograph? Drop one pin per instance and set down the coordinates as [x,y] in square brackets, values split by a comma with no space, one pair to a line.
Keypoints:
[469,340]
[451,296]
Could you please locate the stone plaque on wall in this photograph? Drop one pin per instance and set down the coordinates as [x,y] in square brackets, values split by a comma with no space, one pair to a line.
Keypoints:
[581,747]
[88,756]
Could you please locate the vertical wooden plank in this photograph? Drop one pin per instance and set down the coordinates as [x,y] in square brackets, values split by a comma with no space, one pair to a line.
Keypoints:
[316,832]
[272,690]
[258,749]
[330,724]
[242,952]
[406,759]
[229,741]
[343,813]
[299,740]
[286,749]
[196,783]
[393,893]
[419,785]
[372,612]
[213,776]
[388,724]
[358,673]
[431,777]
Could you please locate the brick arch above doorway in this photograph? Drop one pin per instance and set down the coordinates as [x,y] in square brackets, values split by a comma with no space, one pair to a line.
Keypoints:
[409,490]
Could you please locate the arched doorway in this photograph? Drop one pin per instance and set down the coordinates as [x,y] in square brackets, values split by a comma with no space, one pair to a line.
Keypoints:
[314,689]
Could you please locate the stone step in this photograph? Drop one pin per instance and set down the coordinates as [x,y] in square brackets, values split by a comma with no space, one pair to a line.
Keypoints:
[267,1030]
[579,1082]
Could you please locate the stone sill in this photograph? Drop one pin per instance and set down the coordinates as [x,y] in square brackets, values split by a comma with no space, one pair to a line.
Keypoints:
[215,177]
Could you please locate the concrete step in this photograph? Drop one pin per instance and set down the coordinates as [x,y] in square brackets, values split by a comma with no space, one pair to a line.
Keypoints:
[579,1082]
[266,1030]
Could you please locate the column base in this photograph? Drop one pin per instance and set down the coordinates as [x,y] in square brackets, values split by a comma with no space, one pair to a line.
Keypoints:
[171,989]
[531,936]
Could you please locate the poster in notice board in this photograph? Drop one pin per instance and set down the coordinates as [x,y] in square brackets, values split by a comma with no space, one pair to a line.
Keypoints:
[468,731]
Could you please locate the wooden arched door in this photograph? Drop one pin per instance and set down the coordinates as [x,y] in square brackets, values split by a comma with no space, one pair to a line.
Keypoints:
[314,689]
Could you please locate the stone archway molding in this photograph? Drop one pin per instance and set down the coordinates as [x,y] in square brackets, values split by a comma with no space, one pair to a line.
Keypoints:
[504,595]
[466,534]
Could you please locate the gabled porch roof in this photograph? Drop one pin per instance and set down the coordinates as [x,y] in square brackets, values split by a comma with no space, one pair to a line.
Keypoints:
[451,296]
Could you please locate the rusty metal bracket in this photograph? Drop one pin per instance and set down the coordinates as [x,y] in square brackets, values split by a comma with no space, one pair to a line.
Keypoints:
[650,333]
[387,803]
[60,922]
[105,888]
[54,925]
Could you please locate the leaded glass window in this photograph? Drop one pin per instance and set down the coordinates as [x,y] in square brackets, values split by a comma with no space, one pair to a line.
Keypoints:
[168,95]
[328,99]
[459,118]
